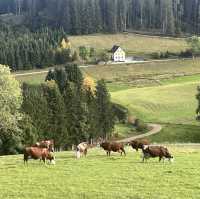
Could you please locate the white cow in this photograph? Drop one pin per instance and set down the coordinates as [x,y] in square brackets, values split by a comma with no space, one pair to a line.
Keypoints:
[81,149]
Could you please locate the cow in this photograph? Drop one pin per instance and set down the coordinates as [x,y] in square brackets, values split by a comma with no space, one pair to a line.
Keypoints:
[138,143]
[81,149]
[113,146]
[38,153]
[49,144]
[156,151]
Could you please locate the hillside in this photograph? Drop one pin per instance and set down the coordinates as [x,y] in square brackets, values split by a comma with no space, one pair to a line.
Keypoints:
[101,177]
[173,103]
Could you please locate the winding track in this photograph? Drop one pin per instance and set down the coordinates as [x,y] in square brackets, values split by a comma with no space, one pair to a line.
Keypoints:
[155,128]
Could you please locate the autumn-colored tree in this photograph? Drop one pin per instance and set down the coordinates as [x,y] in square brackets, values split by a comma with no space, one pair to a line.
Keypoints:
[88,83]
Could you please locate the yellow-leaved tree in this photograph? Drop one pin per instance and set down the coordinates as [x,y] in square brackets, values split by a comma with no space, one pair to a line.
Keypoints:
[65,44]
[88,83]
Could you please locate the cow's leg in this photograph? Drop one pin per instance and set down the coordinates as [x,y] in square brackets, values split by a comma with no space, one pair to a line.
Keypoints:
[44,160]
[107,153]
[25,159]
[85,152]
[123,151]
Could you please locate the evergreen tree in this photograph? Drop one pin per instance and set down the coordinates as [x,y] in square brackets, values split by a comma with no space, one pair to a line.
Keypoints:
[105,121]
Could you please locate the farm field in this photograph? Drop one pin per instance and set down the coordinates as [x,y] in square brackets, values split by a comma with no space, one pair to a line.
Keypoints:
[153,70]
[174,103]
[98,176]
[177,133]
[129,72]
[132,43]
[33,79]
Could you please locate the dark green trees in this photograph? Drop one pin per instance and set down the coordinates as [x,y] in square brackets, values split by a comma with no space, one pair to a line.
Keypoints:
[67,109]
[22,49]
[105,116]
[90,16]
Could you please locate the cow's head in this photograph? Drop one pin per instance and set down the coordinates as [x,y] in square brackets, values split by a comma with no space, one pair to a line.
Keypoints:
[134,144]
[170,157]
[51,158]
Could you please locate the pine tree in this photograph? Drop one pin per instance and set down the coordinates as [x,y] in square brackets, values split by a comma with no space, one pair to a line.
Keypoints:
[105,121]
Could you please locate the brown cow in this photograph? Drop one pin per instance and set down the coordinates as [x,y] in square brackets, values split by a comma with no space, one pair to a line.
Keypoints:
[38,153]
[49,144]
[156,151]
[113,146]
[138,143]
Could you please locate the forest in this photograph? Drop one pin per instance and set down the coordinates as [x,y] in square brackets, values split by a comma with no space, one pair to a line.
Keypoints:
[67,107]
[170,17]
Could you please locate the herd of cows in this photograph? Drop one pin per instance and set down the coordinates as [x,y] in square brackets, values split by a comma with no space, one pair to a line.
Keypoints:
[44,150]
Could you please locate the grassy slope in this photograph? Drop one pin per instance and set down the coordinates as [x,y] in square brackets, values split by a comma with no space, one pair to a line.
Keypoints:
[172,133]
[132,43]
[174,103]
[99,176]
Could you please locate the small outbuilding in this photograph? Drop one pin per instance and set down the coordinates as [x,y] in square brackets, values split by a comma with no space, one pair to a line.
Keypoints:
[118,54]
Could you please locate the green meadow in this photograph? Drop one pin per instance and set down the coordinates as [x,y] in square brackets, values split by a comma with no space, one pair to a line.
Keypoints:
[174,103]
[98,176]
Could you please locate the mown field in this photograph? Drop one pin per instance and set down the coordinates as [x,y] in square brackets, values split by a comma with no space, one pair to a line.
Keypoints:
[98,176]
[132,43]
[174,103]
[153,70]
[128,73]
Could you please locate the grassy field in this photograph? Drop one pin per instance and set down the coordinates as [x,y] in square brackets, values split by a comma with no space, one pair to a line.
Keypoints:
[132,43]
[153,70]
[174,133]
[132,72]
[98,176]
[174,103]
[33,79]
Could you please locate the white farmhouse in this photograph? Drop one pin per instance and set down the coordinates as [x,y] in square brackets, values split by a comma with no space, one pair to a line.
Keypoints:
[118,55]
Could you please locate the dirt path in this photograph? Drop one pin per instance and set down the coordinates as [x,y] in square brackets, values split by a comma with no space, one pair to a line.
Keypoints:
[155,128]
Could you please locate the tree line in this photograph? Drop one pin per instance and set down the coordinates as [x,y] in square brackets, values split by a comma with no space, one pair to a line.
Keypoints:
[91,16]
[67,108]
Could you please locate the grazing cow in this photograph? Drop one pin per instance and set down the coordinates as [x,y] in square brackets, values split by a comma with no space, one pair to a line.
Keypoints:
[49,144]
[81,149]
[38,153]
[156,151]
[138,144]
[113,146]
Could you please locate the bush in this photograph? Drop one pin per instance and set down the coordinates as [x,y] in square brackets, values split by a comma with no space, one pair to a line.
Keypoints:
[155,55]
[140,125]
[186,54]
